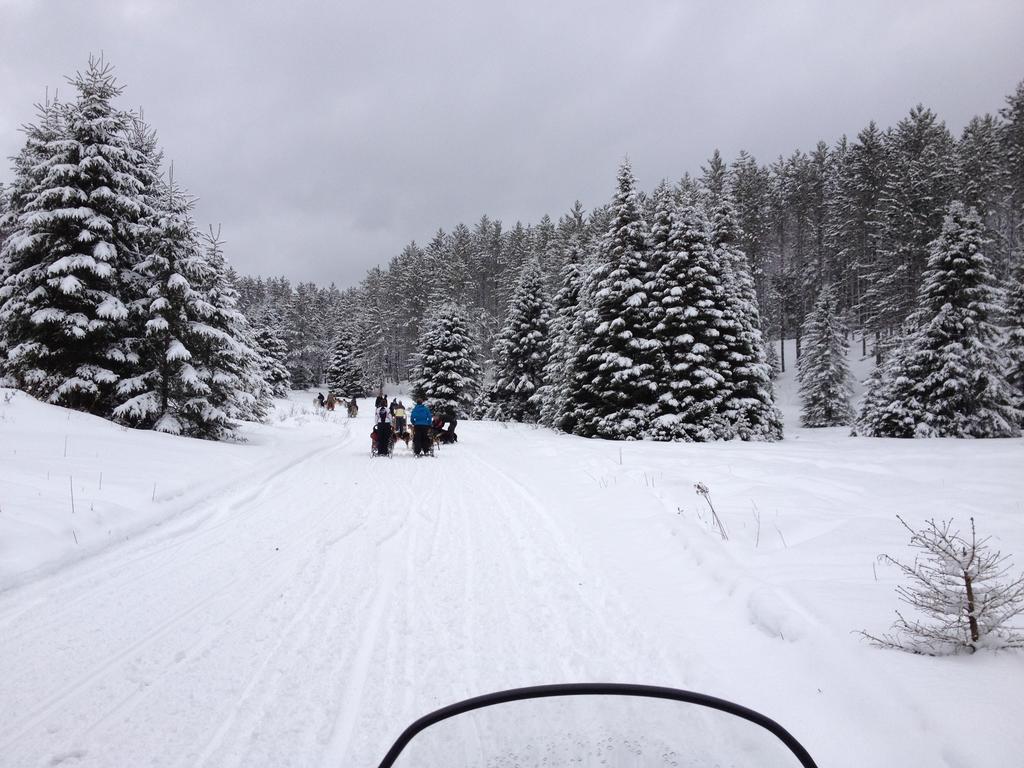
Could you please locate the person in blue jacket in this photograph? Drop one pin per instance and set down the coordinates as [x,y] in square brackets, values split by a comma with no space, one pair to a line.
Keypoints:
[420,418]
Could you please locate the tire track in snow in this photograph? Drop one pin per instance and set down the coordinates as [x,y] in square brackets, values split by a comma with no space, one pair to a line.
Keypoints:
[98,669]
[101,570]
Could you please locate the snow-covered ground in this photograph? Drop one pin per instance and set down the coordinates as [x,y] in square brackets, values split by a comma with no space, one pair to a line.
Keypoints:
[291,602]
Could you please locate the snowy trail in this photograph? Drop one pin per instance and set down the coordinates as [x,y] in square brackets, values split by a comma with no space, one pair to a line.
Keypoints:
[303,622]
[306,619]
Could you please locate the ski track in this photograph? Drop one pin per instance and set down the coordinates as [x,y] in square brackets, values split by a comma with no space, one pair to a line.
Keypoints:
[305,619]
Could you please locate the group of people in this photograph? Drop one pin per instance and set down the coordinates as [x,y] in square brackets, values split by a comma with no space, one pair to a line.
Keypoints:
[331,401]
[390,426]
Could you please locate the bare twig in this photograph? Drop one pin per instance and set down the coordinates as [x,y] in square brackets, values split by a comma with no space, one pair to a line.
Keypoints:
[702,490]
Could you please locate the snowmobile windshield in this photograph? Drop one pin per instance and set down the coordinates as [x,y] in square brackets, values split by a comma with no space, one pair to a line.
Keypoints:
[584,725]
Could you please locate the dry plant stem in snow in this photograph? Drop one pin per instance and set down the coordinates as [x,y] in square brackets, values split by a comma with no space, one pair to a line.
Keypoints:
[961,587]
[702,490]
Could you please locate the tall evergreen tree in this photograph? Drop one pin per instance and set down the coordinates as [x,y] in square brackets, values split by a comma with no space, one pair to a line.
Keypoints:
[344,376]
[919,186]
[614,388]
[950,380]
[171,394]
[824,374]
[1014,343]
[522,351]
[553,392]
[983,182]
[855,221]
[749,409]
[447,374]
[227,358]
[273,354]
[688,309]
[1012,135]
[749,185]
[69,258]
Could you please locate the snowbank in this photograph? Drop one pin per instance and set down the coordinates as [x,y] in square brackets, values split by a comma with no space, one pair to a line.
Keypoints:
[72,484]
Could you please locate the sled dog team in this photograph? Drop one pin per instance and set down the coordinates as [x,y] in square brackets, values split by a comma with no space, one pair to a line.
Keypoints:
[391,424]
[389,427]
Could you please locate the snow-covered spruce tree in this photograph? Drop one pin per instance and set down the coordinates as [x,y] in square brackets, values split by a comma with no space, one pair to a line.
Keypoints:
[171,394]
[447,374]
[344,375]
[70,255]
[1014,343]
[579,329]
[273,354]
[522,350]
[688,304]
[880,412]
[771,356]
[749,409]
[951,378]
[919,185]
[823,372]
[614,388]
[228,359]
[303,324]
[960,586]
[557,371]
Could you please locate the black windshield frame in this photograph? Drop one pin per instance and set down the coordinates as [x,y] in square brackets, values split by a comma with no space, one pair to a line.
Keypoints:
[596,689]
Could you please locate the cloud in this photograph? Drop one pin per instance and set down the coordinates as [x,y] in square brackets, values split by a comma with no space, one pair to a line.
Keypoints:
[324,136]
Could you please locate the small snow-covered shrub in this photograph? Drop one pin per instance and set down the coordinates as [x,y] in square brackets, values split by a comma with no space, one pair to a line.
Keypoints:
[961,587]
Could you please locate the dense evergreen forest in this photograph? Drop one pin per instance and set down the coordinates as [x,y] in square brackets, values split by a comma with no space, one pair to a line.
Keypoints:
[858,215]
[655,315]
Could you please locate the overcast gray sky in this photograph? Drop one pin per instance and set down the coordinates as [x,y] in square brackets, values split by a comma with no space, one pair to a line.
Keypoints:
[326,135]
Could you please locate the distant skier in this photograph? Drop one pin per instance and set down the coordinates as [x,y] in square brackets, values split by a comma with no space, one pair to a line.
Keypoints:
[421,419]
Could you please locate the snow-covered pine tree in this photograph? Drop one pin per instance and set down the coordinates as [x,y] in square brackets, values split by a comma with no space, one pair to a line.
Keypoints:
[1014,343]
[749,409]
[228,358]
[447,374]
[964,590]
[303,329]
[273,354]
[580,329]
[552,393]
[522,350]
[771,356]
[951,379]
[345,376]
[823,372]
[919,185]
[983,182]
[30,168]
[1012,136]
[879,412]
[614,387]
[171,394]
[855,220]
[687,309]
[69,258]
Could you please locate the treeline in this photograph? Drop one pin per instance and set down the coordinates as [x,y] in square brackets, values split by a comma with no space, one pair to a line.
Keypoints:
[111,300]
[857,216]
[475,268]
